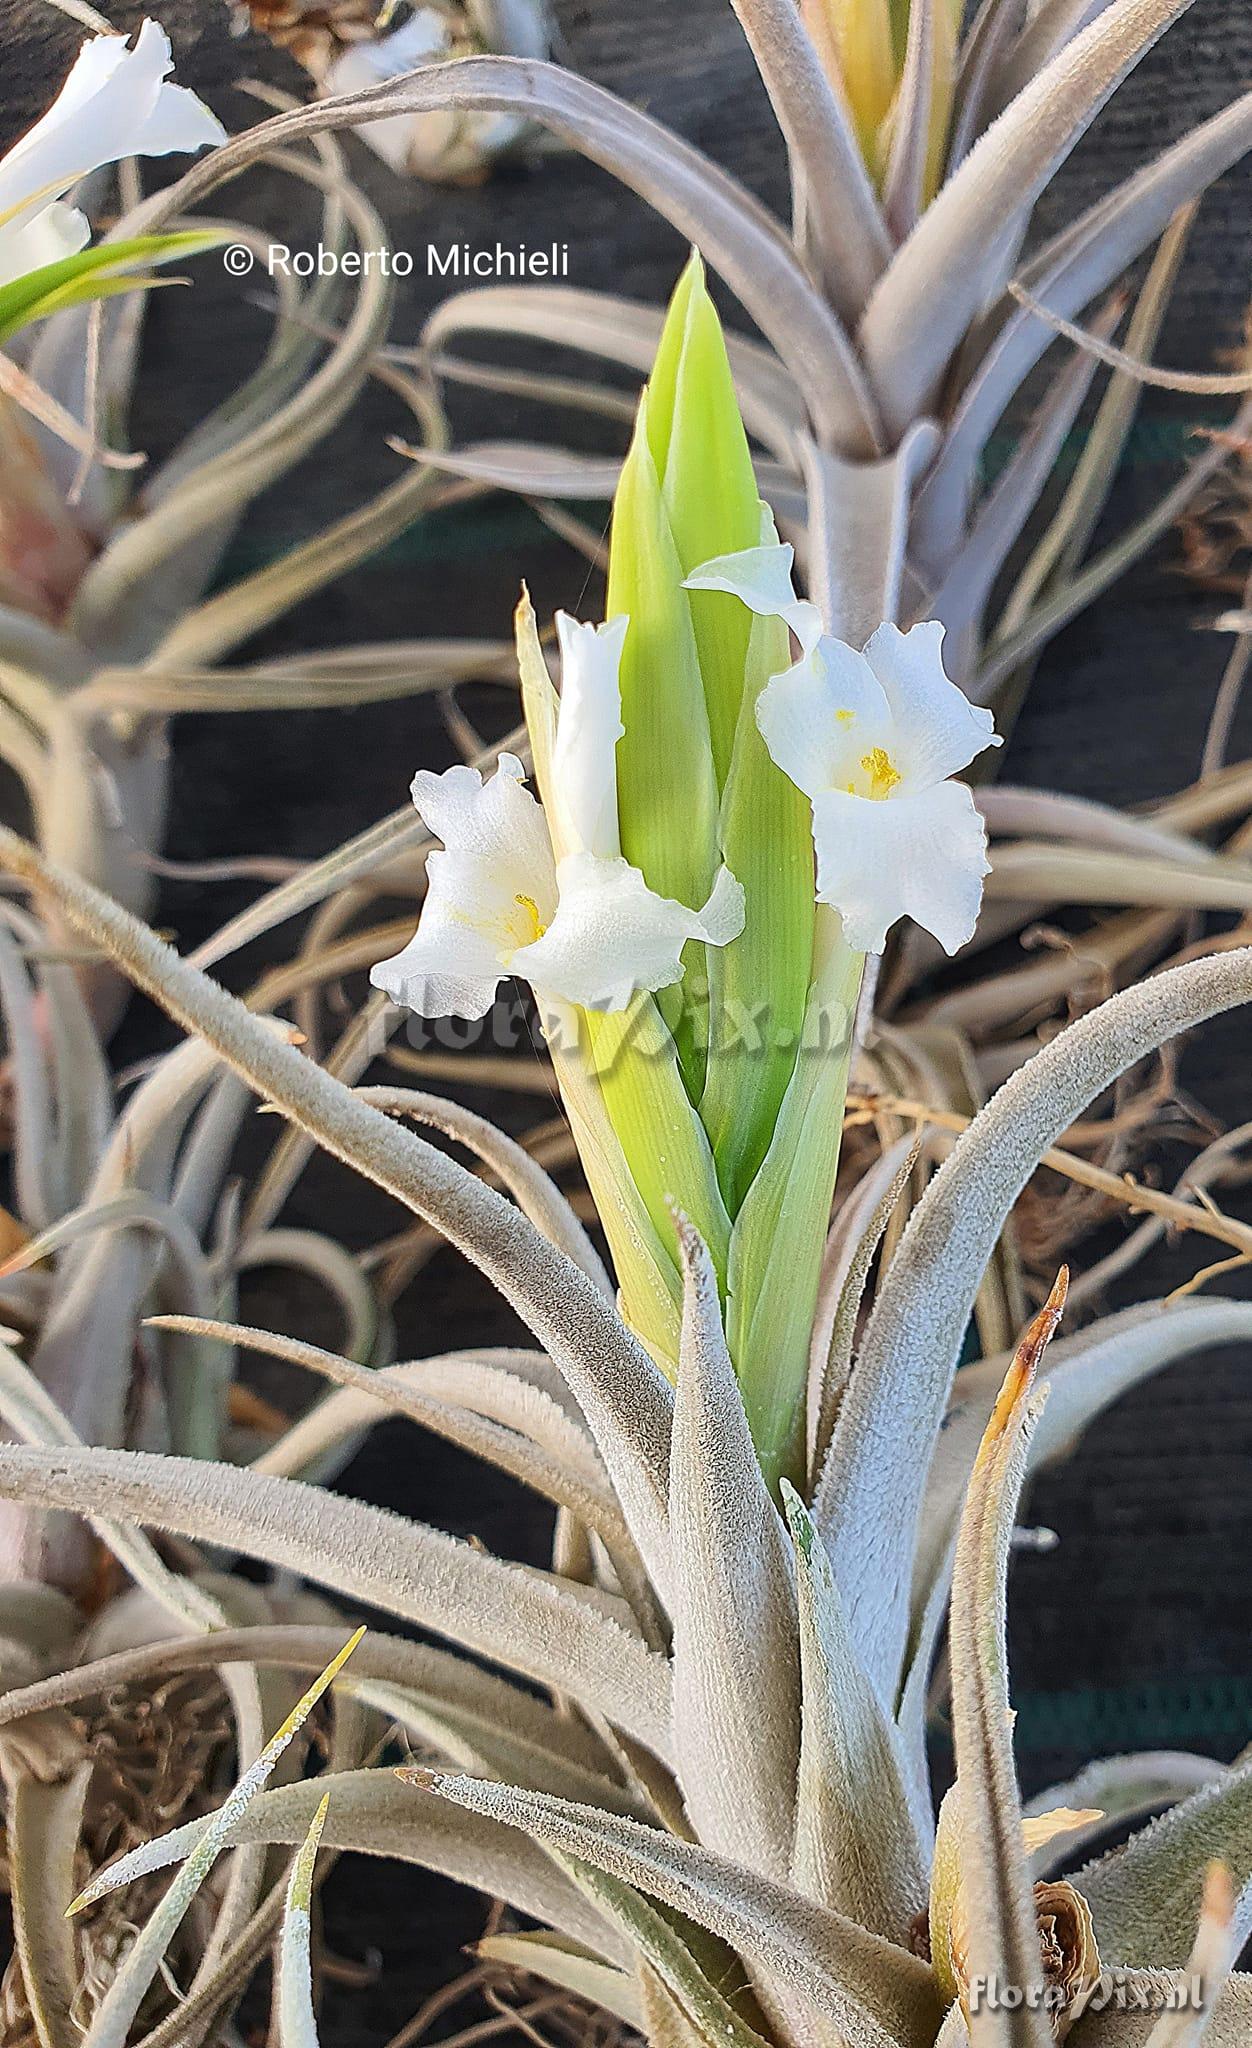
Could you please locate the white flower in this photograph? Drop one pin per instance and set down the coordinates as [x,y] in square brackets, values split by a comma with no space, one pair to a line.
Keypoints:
[872,739]
[489,894]
[115,103]
[589,726]
[424,38]
[550,899]
[447,144]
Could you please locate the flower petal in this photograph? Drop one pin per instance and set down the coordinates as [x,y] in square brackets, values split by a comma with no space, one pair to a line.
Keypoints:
[613,936]
[938,730]
[176,120]
[114,104]
[588,728]
[820,717]
[761,579]
[488,893]
[447,969]
[922,855]
[495,818]
[722,918]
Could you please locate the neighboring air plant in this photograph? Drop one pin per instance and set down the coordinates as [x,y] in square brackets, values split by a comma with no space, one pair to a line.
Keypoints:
[108,620]
[722,1817]
[116,102]
[122,1210]
[897,333]
[881,54]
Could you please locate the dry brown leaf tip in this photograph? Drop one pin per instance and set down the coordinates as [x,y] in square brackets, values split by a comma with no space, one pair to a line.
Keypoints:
[1020,1376]
[1071,1958]
[1067,1942]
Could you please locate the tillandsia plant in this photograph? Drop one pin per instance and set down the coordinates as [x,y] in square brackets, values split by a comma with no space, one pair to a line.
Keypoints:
[698,980]
[109,623]
[699,1759]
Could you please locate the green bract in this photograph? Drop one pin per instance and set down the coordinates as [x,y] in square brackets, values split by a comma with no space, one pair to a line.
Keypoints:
[724,1092]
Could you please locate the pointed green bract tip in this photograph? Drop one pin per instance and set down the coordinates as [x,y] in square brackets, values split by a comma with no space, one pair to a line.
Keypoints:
[710,492]
[662,385]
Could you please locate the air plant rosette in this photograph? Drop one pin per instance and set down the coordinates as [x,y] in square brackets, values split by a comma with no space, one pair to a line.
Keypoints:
[711,1787]
[122,1209]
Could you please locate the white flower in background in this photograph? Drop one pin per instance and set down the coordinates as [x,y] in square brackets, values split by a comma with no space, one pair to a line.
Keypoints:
[552,900]
[444,144]
[114,104]
[872,738]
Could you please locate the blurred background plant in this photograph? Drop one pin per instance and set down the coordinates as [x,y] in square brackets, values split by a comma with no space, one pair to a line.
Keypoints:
[113,614]
[348,44]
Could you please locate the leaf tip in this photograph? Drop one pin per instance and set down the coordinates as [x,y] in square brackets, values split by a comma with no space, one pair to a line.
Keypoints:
[799,1520]
[420,1775]
[1219,1894]
[1020,1376]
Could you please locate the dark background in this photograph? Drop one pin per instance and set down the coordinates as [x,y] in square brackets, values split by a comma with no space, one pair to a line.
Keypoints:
[1134,1632]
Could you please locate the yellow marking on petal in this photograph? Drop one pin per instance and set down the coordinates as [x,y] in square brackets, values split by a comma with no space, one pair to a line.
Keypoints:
[846,717]
[531,908]
[882,772]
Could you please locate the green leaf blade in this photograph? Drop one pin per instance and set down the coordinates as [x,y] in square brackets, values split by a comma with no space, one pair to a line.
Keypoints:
[94,273]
